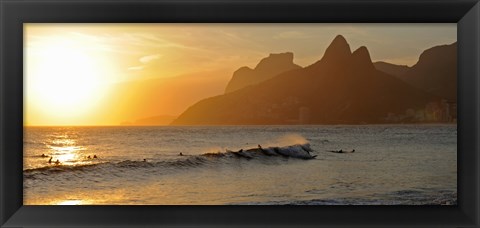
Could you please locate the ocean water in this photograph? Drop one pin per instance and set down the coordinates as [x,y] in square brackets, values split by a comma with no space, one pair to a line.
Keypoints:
[392,165]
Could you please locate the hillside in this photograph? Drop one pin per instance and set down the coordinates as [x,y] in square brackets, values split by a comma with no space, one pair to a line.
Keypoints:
[435,71]
[267,68]
[341,88]
[392,69]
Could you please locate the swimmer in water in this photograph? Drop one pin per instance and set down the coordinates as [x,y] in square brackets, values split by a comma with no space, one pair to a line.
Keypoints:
[180,154]
[95,156]
[57,162]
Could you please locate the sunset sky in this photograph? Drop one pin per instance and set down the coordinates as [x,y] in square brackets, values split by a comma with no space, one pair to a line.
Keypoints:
[105,74]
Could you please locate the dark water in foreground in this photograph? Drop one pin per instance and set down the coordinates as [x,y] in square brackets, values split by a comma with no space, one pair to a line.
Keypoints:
[393,164]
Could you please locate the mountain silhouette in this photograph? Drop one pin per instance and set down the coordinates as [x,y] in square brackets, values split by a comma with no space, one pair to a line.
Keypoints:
[341,88]
[435,71]
[337,51]
[266,69]
[395,70]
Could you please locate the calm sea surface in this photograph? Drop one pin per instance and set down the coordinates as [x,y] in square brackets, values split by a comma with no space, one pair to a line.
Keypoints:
[392,164]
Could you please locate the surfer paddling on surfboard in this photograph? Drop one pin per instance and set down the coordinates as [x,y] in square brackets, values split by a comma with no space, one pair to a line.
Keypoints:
[341,151]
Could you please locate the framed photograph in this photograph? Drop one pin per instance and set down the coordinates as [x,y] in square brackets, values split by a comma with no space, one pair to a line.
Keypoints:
[240,114]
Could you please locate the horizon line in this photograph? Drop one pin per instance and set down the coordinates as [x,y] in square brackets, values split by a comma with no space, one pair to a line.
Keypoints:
[241,125]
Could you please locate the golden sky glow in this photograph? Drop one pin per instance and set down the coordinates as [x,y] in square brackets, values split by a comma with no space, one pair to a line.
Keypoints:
[104,74]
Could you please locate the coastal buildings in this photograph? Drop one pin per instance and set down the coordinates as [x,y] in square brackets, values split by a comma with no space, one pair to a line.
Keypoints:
[442,111]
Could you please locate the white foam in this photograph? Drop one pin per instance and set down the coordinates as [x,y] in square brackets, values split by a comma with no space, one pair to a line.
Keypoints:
[296,151]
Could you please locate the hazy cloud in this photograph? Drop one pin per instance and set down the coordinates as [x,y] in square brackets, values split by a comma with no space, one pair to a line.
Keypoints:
[149,58]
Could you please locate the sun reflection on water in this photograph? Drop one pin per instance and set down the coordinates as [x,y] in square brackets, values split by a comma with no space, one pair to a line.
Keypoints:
[66,151]
[71,202]
[68,157]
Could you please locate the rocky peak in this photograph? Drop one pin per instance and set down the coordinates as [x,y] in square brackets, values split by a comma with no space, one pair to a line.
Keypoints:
[361,57]
[275,61]
[267,68]
[339,49]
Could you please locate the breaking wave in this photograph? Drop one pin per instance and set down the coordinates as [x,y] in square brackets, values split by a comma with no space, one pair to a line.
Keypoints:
[297,151]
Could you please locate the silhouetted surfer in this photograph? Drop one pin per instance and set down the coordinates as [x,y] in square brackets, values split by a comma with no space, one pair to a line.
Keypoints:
[50,161]
[89,157]
[341,151]
[180,154]
[263,151]
[57,162]
[144,160]
[95,156]
[44,156]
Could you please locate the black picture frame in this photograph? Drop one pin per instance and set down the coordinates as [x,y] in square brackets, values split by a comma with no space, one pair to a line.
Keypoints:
[13,13]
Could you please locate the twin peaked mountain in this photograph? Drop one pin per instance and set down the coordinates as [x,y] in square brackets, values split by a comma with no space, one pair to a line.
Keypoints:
[341,88]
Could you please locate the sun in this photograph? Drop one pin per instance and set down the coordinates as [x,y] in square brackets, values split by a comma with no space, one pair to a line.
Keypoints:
[63,78]
[66,77]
